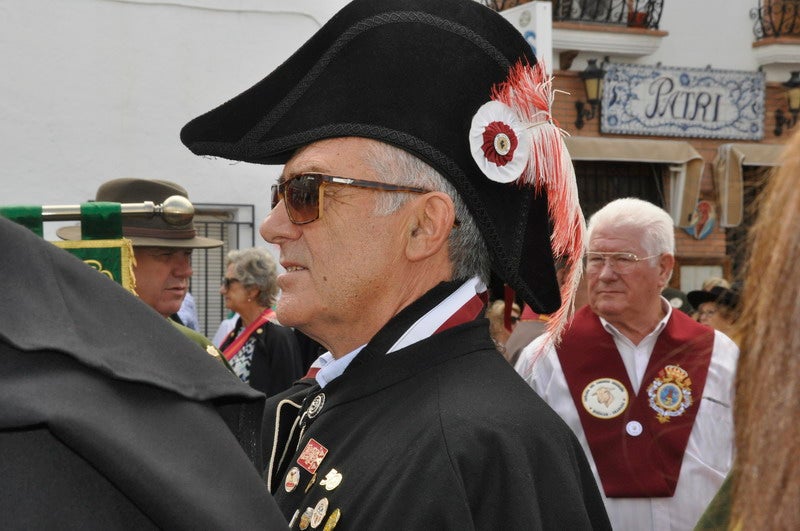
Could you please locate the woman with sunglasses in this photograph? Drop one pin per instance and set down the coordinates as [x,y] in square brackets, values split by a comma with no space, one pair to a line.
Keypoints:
[260,351]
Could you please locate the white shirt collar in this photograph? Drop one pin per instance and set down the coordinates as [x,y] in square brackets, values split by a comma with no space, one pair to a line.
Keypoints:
[423,328]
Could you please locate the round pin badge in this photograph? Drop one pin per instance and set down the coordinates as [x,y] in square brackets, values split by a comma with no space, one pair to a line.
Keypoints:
[316,406]
[320,510]
[605,398]
[292,479]
[333,519]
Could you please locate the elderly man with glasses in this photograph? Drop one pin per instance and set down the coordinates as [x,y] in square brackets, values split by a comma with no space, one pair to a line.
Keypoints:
[647,390]
[420,158]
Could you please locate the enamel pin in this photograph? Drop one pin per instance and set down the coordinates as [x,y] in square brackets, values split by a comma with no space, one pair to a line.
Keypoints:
[292,479]
[305,518]
[316,406]
[332,479]
[333,519]
[311,456]
[320,510]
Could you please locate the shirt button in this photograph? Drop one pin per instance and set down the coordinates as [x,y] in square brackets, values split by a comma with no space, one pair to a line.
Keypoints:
[634,428]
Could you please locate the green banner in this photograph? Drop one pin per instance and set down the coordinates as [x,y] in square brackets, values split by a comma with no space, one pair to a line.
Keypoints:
[112,258]
[27,216]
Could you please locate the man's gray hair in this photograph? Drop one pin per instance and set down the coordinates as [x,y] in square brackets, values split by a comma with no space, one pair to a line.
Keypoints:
[255,267]
[467,248]
[655,223]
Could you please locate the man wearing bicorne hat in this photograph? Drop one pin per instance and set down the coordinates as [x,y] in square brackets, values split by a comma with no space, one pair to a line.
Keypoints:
[419,158]
[647,390]
[162,251]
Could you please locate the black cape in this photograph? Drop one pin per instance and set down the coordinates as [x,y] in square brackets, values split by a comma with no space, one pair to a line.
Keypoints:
[109,417]
[442,434]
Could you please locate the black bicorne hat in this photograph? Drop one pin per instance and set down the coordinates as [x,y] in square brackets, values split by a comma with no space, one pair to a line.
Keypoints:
[418,74]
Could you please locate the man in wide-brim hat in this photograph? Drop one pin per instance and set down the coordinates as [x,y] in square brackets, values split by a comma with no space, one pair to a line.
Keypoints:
[162,251]
[420,158]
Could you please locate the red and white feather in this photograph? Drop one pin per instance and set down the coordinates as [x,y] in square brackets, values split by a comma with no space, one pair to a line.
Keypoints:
[523,104]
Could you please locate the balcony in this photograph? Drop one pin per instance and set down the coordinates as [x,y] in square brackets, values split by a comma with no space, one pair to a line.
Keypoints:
[776,19]
[629,13]
[777,33]
[619,28]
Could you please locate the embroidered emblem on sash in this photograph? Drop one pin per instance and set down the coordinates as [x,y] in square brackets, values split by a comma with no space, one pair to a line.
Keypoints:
[311,456]
[605,398]
[670,393]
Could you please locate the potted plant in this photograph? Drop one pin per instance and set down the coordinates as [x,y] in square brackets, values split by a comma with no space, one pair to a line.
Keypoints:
[637,18]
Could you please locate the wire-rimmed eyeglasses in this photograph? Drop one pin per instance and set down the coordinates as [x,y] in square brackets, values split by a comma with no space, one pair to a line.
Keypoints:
[619,262]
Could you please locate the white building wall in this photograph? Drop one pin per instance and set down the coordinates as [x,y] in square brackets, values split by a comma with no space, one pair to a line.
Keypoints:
[92,90]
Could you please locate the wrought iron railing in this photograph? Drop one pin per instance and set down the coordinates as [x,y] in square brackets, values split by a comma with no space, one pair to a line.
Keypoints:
[631,13]
[776,18]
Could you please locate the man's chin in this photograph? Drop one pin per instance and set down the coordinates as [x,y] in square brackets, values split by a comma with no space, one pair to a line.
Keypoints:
[290,315]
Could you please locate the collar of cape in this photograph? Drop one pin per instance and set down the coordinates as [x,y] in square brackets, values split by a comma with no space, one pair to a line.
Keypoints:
[638,443]
[372,370]
[231,346]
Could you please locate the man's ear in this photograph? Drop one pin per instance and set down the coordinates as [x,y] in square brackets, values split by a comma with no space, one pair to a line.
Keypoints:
[430,223]
[666,264]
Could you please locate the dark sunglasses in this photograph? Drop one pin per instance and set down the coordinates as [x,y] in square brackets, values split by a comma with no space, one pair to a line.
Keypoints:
[228,281]
[302,195]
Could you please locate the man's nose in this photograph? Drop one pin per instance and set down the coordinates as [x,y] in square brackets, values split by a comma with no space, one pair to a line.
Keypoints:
[182,267]
[607,269]
[277,227]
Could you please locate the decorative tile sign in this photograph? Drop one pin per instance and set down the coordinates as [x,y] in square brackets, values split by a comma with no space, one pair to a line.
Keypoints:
[684,102]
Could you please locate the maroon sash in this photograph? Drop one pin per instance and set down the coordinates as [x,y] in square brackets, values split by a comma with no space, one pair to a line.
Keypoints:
[638,448]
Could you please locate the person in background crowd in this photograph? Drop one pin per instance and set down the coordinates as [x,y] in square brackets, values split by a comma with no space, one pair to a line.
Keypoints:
[390,214]
[647,390]
[162,251]
[678,300]
[187,314]
[712,282]
[109,417]
[717,308]
[497,325]
[259,350]
[765,483]
[531,325]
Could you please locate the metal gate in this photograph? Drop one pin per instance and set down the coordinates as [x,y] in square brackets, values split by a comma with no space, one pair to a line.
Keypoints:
[233,224]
